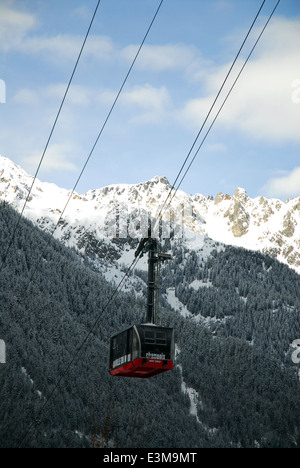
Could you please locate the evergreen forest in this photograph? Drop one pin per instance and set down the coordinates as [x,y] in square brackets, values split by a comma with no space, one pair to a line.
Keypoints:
[57,313]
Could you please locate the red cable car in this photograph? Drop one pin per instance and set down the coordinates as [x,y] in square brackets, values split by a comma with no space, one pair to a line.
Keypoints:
[144,350]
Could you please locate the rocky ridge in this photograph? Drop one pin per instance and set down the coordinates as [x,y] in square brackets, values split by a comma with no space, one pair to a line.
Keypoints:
[92,221]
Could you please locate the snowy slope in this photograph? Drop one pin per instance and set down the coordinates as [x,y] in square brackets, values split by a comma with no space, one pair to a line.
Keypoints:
[92,220]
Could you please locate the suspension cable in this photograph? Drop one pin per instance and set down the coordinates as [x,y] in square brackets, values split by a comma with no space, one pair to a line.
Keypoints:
[98,137]
[228,94]
[159,216]
[133,264]
[50,136]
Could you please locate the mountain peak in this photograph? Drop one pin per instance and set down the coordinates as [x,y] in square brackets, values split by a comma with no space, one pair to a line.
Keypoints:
[241,194]
[156,181]
[266,225]
[8,165]
[160,179]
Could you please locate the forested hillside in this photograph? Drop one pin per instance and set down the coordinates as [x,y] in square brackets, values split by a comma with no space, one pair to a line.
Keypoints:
[236,355]
[241,294]
[248,305]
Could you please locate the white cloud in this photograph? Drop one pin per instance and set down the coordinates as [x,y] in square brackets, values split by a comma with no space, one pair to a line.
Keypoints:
[143,103]
[216,148]
[147,98]
[78,95]
[27,97]
[222,5]
[66,47]
[284,186]
[100,47]
[159,58]
[261,103]
[14,25]
[57,157]
[15,35]
[62,45]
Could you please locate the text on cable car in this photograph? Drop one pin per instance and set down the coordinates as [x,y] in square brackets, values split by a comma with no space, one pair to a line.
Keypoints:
[121,360]
[155,356]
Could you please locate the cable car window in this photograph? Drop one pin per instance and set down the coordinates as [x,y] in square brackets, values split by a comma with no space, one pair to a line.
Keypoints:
[155,338]
[149,337]
[161,338]
[120,344]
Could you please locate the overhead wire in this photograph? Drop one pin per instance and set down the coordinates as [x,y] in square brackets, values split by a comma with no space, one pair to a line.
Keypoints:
[134,262]
[158,217]
[79,350]
[228,94]
[50,136]
[99,135]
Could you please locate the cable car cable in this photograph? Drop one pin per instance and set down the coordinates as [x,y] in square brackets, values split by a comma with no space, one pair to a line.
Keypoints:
[228,94]
[98,136]
[79,349]
[134,262]
[50,135]
[210,110]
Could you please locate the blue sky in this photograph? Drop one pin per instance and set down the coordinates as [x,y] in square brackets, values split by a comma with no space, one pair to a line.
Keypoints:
[254,144]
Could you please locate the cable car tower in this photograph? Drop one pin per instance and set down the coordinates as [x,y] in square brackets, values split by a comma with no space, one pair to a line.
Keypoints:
[145,350]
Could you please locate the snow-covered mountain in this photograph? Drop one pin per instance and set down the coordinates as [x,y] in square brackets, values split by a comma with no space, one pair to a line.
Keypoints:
[92,221]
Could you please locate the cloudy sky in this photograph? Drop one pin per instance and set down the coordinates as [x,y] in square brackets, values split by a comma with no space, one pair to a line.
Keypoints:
[254,142]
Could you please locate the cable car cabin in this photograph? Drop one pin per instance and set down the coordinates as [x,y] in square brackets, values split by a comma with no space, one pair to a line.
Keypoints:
[142,351]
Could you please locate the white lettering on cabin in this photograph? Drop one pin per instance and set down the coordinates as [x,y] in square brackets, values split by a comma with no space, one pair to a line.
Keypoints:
[122,360]
[155,356]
